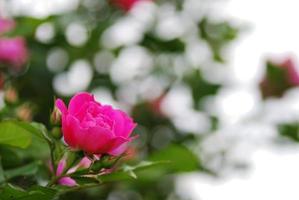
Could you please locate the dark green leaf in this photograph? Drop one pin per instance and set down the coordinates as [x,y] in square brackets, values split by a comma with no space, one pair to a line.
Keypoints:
[200,87]
[11,133]
[290,131]
[29,169]
[155,44]
[10,192]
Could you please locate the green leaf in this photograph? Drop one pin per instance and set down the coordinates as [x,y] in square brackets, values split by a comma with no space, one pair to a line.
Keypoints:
[290,131]
[129,172]
[10,192]
[2,178]
[200,87]
[29,169]
[38,148]
[41,130]
[12,133]
[155,44]
[217,35]
[180,159]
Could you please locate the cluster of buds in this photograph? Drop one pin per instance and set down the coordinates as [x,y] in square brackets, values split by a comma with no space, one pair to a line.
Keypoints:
[91,167]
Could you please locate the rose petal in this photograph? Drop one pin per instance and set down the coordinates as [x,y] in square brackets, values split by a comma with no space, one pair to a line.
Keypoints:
[73,133]
[123,125]
[97,140]
[118,145]
[78,101]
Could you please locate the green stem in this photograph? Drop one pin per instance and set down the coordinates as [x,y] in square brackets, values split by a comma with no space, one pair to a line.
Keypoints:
[81,187]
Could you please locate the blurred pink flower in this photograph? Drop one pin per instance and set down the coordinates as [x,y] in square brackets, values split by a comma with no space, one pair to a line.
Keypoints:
[279,77]
[292,73]
[6,25]
[13,51]
[94,128]
[2,80]
[126,4]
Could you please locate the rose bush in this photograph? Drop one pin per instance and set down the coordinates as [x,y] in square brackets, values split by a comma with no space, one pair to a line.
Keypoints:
[94,128]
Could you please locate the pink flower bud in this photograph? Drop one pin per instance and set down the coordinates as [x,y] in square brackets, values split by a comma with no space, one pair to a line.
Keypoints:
[55,117]
[60,167]
[67,181]
[94,128]
[83,164]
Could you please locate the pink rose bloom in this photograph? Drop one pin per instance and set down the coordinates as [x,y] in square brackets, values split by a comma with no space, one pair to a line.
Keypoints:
[126,4]
[13,51]
[6,25]
[94,128]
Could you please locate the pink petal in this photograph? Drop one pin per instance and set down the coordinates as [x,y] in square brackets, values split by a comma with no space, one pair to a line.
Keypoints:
[83,164]
[6,25]
[61,106]
[78,101]
[118,145]
[60,167]
[97,140]
[123,125]
[67,181]
[73,133]
[13,51]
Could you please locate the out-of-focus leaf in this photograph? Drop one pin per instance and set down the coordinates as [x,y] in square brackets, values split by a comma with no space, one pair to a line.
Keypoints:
[180,159]
[26,26]
[157,45]
[10,192]
[2,178]
[11,133]
[290,130]
[275,82]
[9,156]
[217,35]
[29,169]
[200,87]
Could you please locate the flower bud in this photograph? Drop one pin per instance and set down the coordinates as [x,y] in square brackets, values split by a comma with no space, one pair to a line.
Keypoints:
[55,117]
[10,95]
[24,112]
[56,132]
